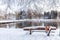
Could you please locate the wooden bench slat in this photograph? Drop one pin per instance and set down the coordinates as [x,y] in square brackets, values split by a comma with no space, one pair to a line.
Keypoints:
[38,29]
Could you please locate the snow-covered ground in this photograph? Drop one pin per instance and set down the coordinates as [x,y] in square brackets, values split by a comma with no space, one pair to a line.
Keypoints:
[20,34]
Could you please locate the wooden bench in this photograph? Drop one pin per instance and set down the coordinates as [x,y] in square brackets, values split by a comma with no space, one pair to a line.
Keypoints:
[36,28]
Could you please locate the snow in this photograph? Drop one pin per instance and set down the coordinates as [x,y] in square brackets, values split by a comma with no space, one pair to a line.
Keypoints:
[40,5]
[20,34]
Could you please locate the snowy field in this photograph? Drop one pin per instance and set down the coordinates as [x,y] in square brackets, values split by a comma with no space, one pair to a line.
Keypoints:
[20,34]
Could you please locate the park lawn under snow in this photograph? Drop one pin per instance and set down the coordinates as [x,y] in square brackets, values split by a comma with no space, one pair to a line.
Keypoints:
[20,34]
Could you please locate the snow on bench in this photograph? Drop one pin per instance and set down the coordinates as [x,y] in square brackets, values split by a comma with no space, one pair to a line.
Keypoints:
[38,29]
